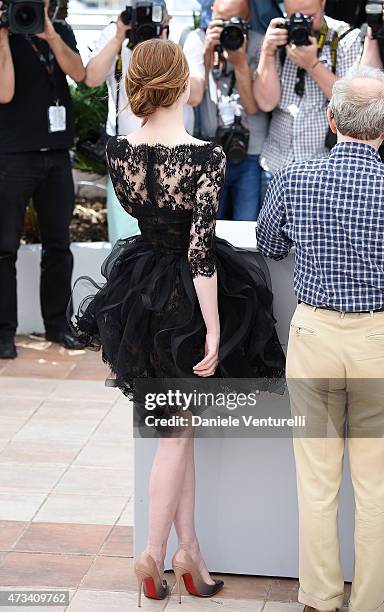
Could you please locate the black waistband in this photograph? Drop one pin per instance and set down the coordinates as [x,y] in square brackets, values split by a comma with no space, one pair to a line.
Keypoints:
[346,311]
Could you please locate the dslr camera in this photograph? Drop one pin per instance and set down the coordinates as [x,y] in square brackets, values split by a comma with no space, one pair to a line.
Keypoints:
[357,12]
[146,18]
[299,28]
[24,17]
[232,35]
[374,10]
[232,135]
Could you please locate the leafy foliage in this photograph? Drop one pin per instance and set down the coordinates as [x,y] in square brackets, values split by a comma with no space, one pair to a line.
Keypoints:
[91,109]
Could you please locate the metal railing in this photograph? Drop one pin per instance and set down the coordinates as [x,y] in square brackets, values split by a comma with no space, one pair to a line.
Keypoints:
[101,17]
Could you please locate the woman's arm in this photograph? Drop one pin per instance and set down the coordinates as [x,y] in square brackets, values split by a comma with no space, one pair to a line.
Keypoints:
[201,258]
[206,291]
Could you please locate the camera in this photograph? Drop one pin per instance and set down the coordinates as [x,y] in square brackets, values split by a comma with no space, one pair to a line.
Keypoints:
[23,16]
[357,12]
[375,17]
[146,18]
[232,35]
[299,28]
[234,139]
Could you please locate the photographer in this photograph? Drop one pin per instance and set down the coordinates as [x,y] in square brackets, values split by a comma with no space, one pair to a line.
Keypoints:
[231,115]
[300,62]
[109,62]
[36,131]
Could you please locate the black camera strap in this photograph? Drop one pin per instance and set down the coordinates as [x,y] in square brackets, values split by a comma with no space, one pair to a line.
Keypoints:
[118,76]
[48,63]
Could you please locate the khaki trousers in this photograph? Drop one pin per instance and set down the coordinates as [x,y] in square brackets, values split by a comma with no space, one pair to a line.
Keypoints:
[339,352]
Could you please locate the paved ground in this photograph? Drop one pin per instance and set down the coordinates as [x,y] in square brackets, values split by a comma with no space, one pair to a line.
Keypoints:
[66,491]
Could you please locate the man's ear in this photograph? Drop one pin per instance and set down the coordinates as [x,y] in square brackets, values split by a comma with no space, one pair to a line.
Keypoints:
[331,120]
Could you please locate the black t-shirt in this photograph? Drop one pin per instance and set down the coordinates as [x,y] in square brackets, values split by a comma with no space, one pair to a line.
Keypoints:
[24,120]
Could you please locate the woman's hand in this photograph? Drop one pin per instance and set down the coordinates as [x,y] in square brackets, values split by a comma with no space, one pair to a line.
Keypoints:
[208,365]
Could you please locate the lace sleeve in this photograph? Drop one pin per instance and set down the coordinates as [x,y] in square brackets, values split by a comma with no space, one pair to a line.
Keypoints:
[117,168]
[209,185]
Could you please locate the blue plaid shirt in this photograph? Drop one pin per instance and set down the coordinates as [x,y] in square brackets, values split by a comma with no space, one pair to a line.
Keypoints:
[332,211]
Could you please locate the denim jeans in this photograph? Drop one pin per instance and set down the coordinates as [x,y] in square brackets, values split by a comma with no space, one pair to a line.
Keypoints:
[46,177]
[241,196]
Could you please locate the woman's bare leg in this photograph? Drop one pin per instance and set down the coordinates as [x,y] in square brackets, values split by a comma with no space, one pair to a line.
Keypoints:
[185,516]
[165,489]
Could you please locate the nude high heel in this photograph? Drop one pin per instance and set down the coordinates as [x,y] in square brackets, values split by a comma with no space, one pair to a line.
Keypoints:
[149,579]
[185,568]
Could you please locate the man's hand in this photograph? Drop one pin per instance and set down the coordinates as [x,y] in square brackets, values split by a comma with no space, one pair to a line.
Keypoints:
[304,56]
[212,37]
[49,33]
[275,36]
[121,30]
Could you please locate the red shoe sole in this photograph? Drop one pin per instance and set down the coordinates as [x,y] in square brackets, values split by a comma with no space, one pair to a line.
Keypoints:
[150,589]
[190,586]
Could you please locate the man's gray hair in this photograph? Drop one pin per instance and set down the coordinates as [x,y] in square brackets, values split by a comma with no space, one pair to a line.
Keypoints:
[358,110]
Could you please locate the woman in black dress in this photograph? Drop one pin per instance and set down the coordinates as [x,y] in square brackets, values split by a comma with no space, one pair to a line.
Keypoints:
[178,302]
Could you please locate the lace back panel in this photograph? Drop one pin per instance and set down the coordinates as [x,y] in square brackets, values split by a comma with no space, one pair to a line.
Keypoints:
[174,194]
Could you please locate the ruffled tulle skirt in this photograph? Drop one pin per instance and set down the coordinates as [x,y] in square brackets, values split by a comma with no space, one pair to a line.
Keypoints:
[147,320]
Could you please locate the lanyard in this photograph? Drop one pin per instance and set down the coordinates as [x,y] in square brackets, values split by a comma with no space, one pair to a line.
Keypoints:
[322,39]
[48,64]
[118,75]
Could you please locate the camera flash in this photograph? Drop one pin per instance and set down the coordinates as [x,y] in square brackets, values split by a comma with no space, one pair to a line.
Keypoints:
[157,13]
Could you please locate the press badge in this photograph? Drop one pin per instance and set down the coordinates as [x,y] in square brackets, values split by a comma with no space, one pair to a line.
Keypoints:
[57,116]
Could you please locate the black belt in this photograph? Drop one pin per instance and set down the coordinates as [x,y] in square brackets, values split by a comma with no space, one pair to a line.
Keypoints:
[346,311]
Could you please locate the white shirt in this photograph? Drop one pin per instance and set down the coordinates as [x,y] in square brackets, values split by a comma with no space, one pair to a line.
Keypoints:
[194,52]
[127,121]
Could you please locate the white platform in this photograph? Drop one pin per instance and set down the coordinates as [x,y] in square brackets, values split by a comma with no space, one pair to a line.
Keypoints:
[246,489]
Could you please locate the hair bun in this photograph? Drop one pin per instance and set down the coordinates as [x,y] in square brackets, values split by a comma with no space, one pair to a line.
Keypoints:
[157,76]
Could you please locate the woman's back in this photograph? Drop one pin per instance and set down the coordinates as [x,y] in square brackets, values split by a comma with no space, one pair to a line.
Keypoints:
[173,192]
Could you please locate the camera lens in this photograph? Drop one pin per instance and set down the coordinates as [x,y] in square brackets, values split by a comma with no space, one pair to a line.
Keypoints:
[299,36]
[25,16]
[146,32]
[232,38]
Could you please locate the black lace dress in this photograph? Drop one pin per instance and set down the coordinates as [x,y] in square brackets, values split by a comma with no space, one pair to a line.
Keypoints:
[146,317]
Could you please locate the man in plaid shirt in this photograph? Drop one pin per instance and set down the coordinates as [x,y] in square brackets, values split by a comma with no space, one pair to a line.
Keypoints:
[295,82]
[332,211]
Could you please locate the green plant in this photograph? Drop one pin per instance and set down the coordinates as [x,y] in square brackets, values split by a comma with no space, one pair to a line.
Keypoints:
[91,109]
